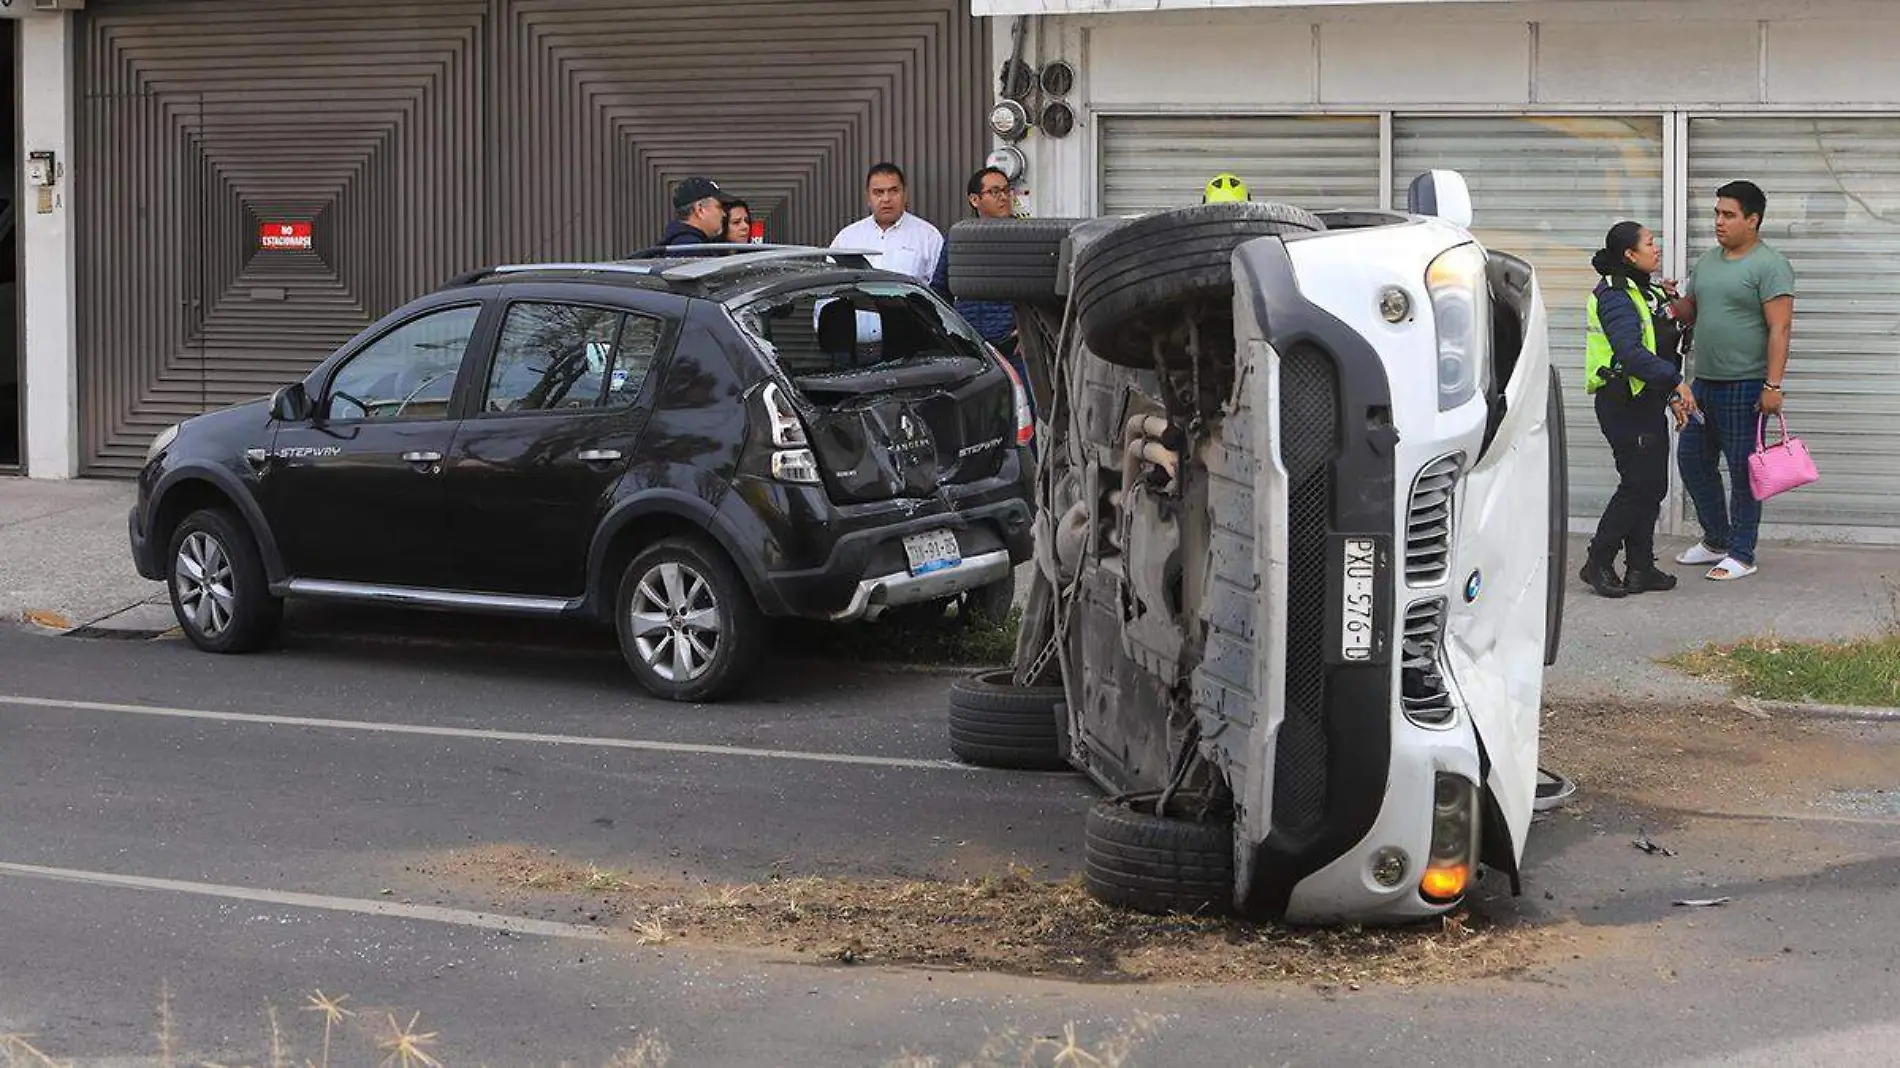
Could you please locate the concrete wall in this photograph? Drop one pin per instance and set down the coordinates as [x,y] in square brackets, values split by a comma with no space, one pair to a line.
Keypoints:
[1687,55]
[46,233]
[1076,7]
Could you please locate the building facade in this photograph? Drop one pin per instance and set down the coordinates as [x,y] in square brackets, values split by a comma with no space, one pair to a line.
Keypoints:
[148,275]
[241,185]
[1565,117]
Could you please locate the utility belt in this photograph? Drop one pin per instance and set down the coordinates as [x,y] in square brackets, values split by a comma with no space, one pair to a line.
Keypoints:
[1616,385]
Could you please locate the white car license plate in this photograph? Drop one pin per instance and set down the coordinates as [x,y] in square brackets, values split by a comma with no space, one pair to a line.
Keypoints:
[934,550]
[1357,599]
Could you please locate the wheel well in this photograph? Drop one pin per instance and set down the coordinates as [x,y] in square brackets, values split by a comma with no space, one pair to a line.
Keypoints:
[182,500]
[634,538]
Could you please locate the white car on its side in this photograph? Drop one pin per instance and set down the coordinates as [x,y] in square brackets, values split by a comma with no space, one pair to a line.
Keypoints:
[1299,550]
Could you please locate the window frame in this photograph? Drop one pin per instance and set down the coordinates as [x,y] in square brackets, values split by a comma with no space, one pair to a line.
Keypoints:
[663,344]
[476,340]
[798,289]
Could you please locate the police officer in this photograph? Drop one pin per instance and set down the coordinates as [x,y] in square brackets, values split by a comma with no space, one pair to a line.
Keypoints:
[1224,188]
[1633,369]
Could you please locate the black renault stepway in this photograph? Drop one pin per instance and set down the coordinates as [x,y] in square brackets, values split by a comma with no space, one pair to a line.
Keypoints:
[679,446]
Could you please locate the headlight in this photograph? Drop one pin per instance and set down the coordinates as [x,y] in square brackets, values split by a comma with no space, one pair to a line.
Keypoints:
[162,442]
[1461,309]
[1455,838]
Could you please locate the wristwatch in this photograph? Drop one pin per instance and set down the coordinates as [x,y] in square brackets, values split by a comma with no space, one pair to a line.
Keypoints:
[1771,385]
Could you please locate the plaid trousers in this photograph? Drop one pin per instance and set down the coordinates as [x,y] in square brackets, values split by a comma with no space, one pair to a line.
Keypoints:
[1732,520]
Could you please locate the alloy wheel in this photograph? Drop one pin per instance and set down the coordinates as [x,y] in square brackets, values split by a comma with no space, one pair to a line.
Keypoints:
[202,576]
[675,617]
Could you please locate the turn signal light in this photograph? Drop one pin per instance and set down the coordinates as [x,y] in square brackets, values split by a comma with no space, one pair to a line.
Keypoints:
[1454,840]
[1444,884]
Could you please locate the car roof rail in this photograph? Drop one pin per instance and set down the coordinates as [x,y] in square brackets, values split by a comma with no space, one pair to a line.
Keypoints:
[611,266]
[753,255]
[662,252]
[732,258]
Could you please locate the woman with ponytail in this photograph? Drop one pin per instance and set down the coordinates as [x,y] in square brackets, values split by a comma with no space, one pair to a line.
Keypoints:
[1633,369]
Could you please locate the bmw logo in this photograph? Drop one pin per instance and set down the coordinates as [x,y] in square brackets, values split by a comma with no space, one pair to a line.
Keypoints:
[1473,585]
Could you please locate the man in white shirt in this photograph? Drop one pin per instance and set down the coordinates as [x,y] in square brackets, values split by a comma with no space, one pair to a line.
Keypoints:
[909,245]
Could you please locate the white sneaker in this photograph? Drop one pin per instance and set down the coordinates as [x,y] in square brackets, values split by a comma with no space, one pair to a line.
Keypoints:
[1730,569]
[1698,554]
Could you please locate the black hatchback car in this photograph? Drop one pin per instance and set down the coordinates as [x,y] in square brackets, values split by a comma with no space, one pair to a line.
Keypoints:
[679,446]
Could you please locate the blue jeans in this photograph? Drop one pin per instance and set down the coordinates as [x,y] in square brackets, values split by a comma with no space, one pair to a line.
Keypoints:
[1731,521]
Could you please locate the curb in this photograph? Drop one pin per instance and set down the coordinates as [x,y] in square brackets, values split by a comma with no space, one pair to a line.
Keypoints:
[1856,713]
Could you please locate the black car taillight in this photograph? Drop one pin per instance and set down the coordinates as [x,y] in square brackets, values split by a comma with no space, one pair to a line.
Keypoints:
[791,459]
[1019,390]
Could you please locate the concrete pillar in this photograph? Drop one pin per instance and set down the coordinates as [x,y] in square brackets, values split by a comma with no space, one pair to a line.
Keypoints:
[50,381]
[1060,179]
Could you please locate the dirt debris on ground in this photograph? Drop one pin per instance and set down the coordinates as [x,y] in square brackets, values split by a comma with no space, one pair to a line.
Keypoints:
[1715,758]
[1007,922]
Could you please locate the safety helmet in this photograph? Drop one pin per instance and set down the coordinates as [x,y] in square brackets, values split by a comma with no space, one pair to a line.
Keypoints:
[1224,189]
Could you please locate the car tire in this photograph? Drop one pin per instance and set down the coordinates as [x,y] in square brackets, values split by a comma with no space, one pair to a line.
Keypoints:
[1012,260]
[991,604]
[1158,864]
[996,724]
[1559,521]
[1139,279]
[688,626]
[219,591]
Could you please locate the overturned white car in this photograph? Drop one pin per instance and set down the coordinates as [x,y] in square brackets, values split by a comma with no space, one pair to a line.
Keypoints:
[1299,550]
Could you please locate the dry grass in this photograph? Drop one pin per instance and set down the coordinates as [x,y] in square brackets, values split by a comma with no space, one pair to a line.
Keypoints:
[1006,922]
[390,1043]
[346,1035]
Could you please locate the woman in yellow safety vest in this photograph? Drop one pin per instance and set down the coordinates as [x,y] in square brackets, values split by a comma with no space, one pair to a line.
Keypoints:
[1633,368]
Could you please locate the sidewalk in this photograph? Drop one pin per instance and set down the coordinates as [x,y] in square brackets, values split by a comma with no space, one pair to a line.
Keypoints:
[63,553]
[1803,592]
[63,557]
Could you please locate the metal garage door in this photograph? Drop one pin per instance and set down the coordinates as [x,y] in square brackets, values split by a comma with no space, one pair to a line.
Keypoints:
[1547,189]
[404,143]
[1833,189]
[1157,162]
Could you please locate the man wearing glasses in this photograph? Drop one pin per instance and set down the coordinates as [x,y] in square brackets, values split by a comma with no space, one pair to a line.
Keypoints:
[990,198]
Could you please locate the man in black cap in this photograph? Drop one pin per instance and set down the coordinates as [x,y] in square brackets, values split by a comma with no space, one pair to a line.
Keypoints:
[700,206]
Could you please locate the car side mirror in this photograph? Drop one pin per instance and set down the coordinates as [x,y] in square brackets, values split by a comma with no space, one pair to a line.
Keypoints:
[290,404]
[1443,193]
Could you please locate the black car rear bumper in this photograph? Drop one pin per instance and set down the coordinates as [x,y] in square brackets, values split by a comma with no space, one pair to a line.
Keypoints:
[848,561]
[867,569]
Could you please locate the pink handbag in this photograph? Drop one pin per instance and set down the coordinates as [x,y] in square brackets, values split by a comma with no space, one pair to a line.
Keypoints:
[1778,468]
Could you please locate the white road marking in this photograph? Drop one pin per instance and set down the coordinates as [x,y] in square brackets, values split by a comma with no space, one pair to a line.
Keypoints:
[487,735]
[432,913]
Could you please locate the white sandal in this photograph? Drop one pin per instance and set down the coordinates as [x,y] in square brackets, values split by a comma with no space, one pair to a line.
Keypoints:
[1730,569]
[1700,553]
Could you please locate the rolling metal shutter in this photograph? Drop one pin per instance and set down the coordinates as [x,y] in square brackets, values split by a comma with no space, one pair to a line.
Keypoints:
[1158,162]
[1547,189]
[423,139]
[1833,189]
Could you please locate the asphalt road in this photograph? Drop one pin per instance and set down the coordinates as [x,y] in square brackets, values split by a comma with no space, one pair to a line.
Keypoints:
[227,828]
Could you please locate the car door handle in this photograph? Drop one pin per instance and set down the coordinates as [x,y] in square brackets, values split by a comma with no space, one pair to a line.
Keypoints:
[422,457]
[598,456]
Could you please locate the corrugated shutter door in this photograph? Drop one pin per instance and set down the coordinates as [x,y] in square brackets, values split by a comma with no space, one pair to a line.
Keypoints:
[424,138]
[1157,162]
[1833,189]
[1547,189]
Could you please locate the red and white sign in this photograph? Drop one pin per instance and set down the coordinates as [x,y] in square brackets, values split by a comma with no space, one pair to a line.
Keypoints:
[284,235]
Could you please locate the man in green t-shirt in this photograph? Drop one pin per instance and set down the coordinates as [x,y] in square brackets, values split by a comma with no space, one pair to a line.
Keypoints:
[1741,298]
